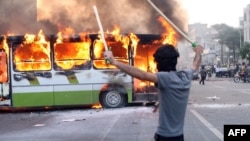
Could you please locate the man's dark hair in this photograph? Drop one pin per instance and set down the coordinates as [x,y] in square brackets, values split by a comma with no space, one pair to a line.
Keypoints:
[166,58]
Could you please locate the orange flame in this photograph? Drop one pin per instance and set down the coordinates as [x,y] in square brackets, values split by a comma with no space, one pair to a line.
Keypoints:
[119,45]
[169,36]
[3,61]
[119,38]
[4,45]
[70,54]
[144,58]
[96,106]
[33,53]
[134,42]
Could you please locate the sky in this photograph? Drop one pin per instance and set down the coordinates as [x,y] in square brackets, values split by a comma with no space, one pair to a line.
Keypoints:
[215,11]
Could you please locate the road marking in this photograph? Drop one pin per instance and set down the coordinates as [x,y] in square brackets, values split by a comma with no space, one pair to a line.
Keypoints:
[208,125]
[218,86]
[108,128]
[243,91]
[237,90]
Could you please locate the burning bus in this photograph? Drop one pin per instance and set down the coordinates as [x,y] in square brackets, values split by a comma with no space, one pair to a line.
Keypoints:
[56,67]
[70,70]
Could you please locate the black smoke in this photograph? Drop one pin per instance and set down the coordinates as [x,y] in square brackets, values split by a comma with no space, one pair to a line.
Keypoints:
[136,16]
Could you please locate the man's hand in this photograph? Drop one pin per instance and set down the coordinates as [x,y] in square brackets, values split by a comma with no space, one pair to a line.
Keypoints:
[197,58]
[198,49]
[108,55]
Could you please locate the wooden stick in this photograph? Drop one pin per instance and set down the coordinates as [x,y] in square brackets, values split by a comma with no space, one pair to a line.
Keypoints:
[171,23]
[100,27]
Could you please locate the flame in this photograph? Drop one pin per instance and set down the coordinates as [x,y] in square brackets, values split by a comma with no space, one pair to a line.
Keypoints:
[96,106]
[119,45]
[98,48]
[33,53]
[64,34]
[116,32]
[144,60]
[134,42]
[3,67]
[4,45]
[71,54]
[120,38]
[59,38]
[169,36]
[144,57]
[68,55]
[4,50]
[66,31]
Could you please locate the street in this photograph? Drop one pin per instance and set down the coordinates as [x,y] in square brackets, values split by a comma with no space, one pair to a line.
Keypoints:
[211,106]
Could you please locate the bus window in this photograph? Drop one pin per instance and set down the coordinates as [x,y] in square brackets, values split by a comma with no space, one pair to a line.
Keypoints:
[72,56]
[3,67]
[119,51]
[32,54]
[32,57]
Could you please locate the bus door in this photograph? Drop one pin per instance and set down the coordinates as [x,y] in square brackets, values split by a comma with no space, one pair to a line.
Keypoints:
[143,59]
[4,84]
[31,74]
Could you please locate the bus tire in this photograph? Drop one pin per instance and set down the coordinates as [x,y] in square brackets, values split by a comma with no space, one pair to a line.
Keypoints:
[113,99]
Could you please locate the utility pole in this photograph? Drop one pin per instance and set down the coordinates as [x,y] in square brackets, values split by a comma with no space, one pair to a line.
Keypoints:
[240,37]
[221,54]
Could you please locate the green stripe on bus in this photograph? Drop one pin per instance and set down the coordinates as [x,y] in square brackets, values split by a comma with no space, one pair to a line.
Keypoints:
[74,98]
[55,99]
[32,99]
[129,96]
[38,99]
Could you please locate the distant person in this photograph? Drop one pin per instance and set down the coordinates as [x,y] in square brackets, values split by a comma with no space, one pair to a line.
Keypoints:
[213,69]
[203,74]
[237,68]
[173,88]
[243,72]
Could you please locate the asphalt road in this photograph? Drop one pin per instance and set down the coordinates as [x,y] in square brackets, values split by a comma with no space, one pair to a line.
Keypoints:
[211,106]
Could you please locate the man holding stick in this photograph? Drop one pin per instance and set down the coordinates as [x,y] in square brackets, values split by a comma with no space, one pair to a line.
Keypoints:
[173,88]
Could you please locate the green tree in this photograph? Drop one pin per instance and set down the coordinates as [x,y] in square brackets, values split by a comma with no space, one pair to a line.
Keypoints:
[245,51]
[229,36]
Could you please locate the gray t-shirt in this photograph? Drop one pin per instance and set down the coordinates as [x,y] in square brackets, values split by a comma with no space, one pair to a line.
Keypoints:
[173,90]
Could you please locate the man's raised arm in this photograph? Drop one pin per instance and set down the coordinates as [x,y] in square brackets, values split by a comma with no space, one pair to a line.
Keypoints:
[197,58]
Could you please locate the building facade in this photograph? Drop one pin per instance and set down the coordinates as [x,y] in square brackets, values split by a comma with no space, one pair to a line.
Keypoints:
[214,52]
[246,24]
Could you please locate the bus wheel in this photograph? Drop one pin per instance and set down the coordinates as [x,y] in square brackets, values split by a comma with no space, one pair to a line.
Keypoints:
[112,99]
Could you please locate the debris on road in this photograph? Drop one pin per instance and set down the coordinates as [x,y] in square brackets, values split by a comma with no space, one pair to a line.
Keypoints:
[38,125]
[70,120]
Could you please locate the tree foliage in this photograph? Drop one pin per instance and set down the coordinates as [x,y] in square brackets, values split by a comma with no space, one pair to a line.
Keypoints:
[245,51]
[228,35]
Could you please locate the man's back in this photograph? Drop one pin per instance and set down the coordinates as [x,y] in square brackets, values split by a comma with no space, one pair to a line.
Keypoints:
[174,90]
